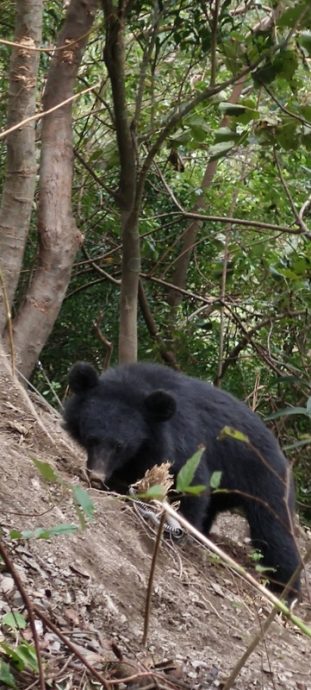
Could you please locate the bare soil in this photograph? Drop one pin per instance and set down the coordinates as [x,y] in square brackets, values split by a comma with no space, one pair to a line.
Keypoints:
[92,584]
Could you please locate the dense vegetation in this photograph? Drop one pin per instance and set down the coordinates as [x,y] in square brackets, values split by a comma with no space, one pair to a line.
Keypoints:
[193,144]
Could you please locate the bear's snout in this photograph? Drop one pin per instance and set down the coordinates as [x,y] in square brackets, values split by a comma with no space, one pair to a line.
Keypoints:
[99,464]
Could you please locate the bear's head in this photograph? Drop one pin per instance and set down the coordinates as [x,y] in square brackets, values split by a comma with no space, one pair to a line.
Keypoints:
[113,417]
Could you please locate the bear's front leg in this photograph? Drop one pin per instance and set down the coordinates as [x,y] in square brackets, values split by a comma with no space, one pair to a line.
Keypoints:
[194,509]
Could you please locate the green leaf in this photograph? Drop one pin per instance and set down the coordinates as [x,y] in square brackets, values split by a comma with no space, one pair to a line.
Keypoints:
[15,534]
[47,472]
[288,412]
[181,137]
[275,273]
[44,532]
[286,63]
[305,40]
[298,444]
[6,676]
[225,134]
[283,64]
[82,499]
[265,74]
[215,480]
[198,122]
[14,620]
[256,556]
[220,150]
[24,656]
[306,141]
[157,491]
[293,14]
[187,472]
[262,569]
[195,489]
[232,108]
[244,112]
[229,431]
[287,136]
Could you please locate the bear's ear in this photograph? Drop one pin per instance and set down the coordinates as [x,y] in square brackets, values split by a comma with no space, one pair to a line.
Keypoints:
[82,377]
[160,405]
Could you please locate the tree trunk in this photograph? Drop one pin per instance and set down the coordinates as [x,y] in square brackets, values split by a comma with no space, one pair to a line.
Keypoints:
[58,235]
[20,179]
[128,203]
[129,289]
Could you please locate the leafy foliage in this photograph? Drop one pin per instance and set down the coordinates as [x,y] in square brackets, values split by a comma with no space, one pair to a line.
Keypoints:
[187,473]
[243,321]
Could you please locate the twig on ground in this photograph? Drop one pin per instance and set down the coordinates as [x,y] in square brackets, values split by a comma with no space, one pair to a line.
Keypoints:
[71,646]
[30,609]
[257,638]
[9,325]
[269,596]
[151,577]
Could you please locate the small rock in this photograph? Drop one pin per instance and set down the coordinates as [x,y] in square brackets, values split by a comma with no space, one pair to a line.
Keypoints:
[7,584]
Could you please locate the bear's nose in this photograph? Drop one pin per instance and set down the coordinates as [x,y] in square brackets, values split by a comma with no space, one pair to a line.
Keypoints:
[96,478]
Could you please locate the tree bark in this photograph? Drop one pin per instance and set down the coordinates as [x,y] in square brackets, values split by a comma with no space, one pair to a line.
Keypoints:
[58,234]
[20,179]
[114,55]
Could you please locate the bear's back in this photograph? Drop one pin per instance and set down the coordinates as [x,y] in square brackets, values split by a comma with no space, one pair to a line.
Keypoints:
[197,401]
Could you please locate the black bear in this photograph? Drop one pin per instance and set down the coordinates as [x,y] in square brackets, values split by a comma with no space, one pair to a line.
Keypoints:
[136,416]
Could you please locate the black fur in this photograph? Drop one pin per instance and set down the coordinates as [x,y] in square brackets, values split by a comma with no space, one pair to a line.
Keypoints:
[136,416]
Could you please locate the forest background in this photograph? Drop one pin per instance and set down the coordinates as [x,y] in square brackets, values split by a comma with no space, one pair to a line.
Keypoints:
[156,196]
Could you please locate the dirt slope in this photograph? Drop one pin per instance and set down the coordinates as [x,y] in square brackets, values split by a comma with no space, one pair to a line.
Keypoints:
[93,584]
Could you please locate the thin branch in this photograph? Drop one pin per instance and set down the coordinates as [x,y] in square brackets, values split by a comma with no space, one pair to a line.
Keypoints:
[215,303]
[101,336]
[179,113]
[93,174]
[9,324]
[209,301]
[236,567]
[100,270]
[30,609]
[72,647]
[305,208]
[285,110]
[38,116]
[257,638]
[26,45]
[182,109]
[145,62]
[259,349]
[167,355]
[83,287]
[232,221]
[297,217]
[151,576]
[223,291]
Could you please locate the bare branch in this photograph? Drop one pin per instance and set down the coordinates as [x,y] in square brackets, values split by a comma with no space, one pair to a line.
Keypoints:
[29,606]
[167,355]
[44,113]
[304,228]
